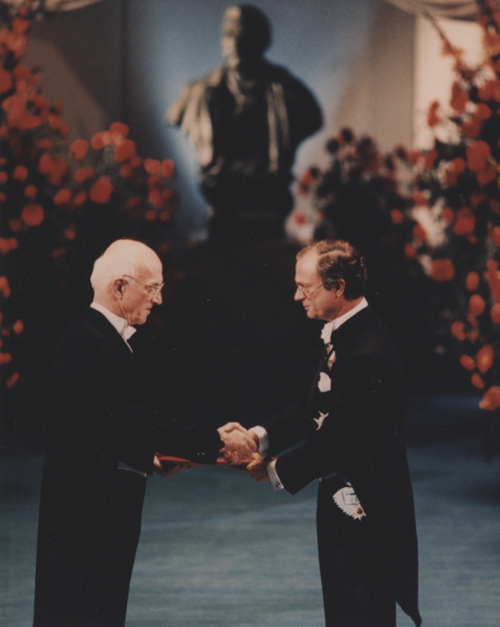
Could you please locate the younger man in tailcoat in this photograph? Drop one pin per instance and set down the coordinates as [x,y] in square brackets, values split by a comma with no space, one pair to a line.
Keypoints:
[351,430]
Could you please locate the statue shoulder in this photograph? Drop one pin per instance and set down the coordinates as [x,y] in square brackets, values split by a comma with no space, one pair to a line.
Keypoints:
[193,94]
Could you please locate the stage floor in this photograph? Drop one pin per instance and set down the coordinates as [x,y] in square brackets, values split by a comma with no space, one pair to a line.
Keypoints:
[219,550]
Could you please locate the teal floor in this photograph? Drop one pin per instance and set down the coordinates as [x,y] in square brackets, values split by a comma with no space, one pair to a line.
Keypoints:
[218,550]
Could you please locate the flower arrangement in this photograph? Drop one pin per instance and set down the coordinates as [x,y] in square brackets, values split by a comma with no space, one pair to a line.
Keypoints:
[361,196]
[61,205]
[457,183]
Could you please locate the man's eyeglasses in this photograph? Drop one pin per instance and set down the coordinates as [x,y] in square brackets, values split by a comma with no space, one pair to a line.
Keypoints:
[308,291]
[153,290]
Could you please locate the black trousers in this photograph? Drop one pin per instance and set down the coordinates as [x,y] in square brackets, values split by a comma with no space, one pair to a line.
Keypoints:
[87,542]
[352,566]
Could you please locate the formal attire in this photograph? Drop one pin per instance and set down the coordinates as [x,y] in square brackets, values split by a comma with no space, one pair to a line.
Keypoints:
[101,439]
[351,430]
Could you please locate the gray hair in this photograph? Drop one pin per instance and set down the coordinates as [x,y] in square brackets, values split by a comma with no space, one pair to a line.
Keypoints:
[123,257]
[337,260]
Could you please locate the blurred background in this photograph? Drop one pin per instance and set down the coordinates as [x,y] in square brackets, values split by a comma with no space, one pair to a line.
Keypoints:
[229,343]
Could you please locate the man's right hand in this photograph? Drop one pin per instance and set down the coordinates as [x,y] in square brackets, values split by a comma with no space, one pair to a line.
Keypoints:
[239,444]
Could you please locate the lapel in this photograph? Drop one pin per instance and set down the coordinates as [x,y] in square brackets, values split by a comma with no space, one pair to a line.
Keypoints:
[104,325]
[342,336]
[341,339]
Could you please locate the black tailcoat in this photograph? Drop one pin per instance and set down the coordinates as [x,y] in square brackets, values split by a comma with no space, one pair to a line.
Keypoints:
[90,511]
[361,439]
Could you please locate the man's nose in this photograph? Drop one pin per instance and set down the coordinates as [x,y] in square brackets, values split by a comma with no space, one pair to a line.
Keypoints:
[299,295]
[158,298]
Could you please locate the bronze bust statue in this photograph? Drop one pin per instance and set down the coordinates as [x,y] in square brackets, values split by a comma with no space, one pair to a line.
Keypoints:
[246,120]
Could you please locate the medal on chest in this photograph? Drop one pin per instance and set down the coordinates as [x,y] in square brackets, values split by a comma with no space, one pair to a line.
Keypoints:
[332,357]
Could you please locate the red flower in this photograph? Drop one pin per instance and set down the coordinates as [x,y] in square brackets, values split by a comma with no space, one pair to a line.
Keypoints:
[308,178]
[6,81]
[414,156]
[43,144]
[152,165]
[70,232]
[484,358]
[419,233]
[470,128]
[495,313]
[491,399]
[465,222]
[101,190]
[118,130]
[486,176]
[457,165]
[477,156]
[16,43]
[78,149]
[99,140]
[4,286]
[155,199]
[20,173]
[477,382]
[53,167]
[457,330]
[5,358]
[494,205]
[167,168]
[483,112]
[18,327]
[459,98]
[32,214]
[58,126]
[420,200]
[299,218]
[396,216]
[492,275]
[495,235]
[472,281]
[429,159]
[124,150]
[30,191]
[467,362]
[62,197]
[442,270]
[12,380]
[20,26]
[433,119]
[476,304]
[4,177]
[410,251]
[7,245]
[80,198]
[447,215]
[83,174]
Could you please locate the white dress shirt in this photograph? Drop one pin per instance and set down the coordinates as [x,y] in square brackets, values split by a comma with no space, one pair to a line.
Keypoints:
[261,433]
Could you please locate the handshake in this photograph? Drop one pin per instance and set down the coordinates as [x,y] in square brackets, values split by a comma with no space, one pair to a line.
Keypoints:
[240,451]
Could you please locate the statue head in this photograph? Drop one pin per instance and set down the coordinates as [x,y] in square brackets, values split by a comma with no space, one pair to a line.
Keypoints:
[246,34]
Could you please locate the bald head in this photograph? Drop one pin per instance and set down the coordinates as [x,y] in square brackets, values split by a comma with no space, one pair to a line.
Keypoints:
[121,258]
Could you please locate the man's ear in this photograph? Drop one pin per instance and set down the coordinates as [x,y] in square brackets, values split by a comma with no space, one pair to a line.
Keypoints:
[339,287]
[117,288]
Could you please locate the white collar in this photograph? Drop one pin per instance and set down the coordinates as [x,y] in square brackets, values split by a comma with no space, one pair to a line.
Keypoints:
[119,323]
[326,332]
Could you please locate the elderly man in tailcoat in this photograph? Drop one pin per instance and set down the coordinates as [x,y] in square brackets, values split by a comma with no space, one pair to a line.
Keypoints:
[351,435]
[101,443]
